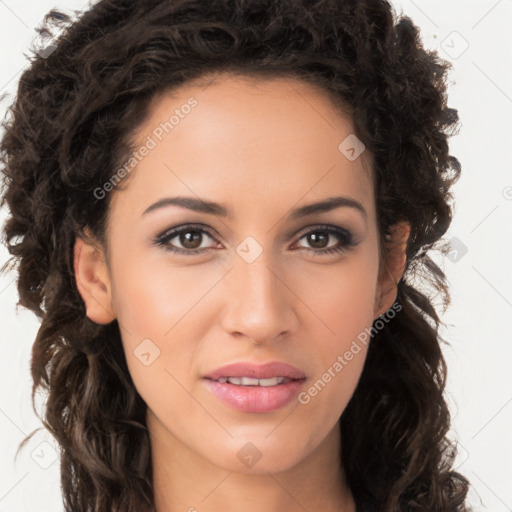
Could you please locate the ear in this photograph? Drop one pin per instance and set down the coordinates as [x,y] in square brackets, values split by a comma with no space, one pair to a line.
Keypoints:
[93,281]
[392,268]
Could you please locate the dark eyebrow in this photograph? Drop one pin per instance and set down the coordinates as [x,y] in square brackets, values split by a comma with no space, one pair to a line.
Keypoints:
[191,203]
[326,205]
[200,205]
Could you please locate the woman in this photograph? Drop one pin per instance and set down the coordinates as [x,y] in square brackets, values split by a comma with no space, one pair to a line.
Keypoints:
[219,210]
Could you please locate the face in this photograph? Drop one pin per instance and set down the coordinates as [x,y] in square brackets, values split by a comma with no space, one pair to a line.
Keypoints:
[254,279]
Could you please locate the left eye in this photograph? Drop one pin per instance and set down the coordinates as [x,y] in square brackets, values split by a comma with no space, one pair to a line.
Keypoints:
[191,240]
[319,237]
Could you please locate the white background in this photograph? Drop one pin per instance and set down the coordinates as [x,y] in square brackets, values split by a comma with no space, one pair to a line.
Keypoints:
[478,321]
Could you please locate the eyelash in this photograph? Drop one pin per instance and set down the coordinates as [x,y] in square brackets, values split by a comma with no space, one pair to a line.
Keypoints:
[345,236]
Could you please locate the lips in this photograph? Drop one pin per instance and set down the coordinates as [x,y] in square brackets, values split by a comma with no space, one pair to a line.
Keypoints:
[256,388]
[251,370]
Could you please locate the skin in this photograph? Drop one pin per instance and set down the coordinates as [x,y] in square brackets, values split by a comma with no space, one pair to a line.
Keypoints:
[261,148]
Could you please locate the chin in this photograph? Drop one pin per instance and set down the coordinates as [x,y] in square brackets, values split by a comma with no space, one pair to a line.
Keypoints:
[259,457]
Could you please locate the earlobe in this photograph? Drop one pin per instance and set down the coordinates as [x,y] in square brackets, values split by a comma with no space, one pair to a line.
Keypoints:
[92,281]
[393,267]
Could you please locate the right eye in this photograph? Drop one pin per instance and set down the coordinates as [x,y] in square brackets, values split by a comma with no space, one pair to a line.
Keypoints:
[190,237]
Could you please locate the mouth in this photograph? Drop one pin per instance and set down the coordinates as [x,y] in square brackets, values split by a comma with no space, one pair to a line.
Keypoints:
[256,398]
[248,370]
[256,389]
[250,381]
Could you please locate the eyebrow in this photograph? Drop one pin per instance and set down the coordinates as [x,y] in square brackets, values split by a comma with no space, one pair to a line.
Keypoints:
[211,208]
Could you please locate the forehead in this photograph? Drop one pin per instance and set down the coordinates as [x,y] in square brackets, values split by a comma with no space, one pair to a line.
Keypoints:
[236,136]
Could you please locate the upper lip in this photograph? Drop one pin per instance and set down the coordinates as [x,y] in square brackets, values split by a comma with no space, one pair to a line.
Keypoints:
[255,371]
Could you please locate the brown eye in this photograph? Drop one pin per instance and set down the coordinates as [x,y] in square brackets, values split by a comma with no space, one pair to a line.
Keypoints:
[185,240]
[319,240]
[189,239]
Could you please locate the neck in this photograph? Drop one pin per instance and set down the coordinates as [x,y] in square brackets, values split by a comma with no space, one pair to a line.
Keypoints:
[185,481]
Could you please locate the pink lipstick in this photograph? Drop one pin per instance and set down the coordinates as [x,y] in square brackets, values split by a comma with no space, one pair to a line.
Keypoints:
[256,388]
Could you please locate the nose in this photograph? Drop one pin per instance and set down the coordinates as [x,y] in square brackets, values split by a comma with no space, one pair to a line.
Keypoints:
[259,304]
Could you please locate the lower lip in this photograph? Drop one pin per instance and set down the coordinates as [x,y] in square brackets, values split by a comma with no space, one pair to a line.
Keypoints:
[256,398]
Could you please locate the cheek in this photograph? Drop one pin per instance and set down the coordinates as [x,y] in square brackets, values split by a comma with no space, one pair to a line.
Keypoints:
[339,355]
[162,315]
[344,297]
[158,310]
[345,306]
[152,299]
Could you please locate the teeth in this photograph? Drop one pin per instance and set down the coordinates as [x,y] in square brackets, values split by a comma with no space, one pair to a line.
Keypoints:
[250,381]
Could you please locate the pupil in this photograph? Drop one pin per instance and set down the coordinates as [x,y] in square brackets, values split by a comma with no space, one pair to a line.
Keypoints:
[315,239]
[187,240]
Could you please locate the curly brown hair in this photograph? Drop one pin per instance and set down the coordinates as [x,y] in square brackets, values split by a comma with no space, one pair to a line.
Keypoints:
[69,130]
